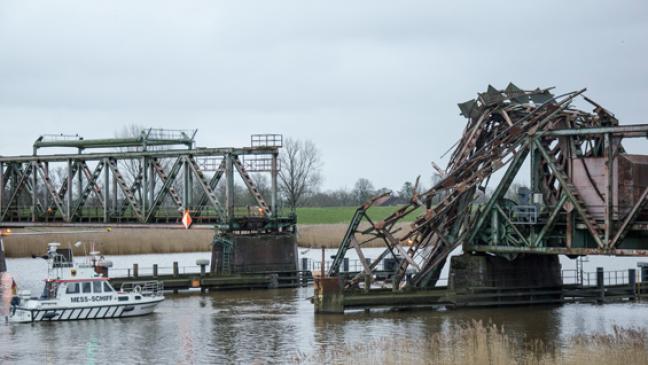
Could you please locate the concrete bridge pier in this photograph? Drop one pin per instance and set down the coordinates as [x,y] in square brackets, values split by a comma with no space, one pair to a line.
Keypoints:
[254,253]
[475,281]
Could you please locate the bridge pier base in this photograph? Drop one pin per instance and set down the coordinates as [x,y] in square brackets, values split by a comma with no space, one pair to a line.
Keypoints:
[256,253]
[475,281]
[486,271]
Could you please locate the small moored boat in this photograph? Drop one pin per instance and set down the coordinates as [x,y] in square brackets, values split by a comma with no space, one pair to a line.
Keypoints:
[83,291]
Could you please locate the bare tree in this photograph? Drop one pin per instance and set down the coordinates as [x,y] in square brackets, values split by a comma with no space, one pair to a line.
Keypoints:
[363,190]
[131,167]
[300,170]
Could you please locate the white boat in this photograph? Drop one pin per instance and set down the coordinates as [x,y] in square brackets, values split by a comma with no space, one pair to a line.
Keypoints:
[83,291]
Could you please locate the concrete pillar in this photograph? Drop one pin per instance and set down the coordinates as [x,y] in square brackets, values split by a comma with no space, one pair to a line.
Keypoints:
[135,270]
[155,270]
[345,264]
[304,264]
[329,297]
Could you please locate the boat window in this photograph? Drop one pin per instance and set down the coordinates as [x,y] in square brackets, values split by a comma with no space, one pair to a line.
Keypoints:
[72,288]
[107,288]
[96,287]
[87,287]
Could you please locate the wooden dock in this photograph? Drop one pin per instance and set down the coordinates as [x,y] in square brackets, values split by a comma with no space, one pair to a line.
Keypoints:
[331,298]
[210,282]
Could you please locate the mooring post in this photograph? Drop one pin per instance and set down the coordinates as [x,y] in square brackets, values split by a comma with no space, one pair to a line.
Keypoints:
[600,283]
[155,270]
[203,272]
[632,281]
[451,281]
[323,264]
[135,270]
[175,274]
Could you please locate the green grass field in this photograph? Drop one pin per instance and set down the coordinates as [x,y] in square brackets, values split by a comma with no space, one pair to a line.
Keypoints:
[333,215]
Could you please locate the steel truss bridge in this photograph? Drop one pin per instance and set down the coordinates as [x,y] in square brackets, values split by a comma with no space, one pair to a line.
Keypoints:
[152,178]
[587,196]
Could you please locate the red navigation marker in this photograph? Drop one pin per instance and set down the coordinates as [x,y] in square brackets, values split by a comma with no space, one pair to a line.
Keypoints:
[186,219]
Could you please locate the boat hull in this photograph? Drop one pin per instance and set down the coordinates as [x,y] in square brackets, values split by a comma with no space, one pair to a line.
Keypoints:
[26,315]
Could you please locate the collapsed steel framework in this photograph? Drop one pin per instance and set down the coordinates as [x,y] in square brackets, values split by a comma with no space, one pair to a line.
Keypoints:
[506,128]
[141,180]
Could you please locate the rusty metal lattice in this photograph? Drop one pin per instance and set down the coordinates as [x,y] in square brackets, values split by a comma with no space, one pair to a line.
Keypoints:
[506,128]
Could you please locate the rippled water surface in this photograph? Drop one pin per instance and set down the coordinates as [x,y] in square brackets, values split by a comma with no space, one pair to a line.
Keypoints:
[272,326]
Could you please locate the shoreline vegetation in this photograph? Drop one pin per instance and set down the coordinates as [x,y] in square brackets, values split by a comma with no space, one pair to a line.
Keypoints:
[152,241]
[317,227]
[478,343]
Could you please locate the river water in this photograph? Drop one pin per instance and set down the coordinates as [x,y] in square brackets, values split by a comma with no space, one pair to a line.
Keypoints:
[272,326]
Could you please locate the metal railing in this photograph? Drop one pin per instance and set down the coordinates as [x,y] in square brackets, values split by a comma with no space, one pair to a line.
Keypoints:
[266,140]
[150,271]
[145,288]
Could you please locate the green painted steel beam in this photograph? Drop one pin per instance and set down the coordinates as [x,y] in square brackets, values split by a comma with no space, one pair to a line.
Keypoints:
[113,143]
[196,152]
[501,189]
[574,251]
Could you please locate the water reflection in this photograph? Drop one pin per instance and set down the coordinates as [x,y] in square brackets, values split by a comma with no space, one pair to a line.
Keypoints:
[274,326]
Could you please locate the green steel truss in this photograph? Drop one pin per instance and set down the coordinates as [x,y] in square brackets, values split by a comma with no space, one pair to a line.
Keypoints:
[135,182]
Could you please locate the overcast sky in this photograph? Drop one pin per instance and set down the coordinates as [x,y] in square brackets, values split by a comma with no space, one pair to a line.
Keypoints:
[373,83]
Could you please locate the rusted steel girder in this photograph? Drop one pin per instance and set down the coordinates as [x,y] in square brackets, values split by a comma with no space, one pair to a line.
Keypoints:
[504,127]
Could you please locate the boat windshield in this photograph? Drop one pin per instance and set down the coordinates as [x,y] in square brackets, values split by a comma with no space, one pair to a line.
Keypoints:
[107,288]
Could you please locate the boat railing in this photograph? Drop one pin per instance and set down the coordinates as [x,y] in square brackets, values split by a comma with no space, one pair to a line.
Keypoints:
[146,288]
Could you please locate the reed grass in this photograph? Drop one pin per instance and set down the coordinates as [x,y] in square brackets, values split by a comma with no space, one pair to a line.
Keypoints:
[158,240]
[117,242]
[477,343]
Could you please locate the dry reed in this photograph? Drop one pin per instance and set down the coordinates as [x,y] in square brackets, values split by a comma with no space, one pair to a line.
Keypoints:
[158,240]
[476,343]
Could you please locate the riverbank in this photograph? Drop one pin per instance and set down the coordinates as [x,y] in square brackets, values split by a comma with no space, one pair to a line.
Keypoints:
[477,343]
[135,241]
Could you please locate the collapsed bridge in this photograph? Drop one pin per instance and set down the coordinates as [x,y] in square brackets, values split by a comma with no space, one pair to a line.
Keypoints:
[587,195]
